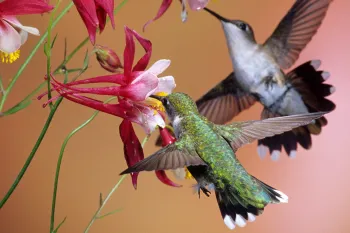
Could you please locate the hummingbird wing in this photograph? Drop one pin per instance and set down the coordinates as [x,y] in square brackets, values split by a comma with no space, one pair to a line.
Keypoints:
[295,30]
[173,156]
[240,133]
[224,101]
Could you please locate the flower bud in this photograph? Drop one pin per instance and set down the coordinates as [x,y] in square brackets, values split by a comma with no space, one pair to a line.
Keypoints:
[108,59]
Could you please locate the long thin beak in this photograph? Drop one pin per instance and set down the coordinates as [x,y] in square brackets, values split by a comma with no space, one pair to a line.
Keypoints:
[216,15]
[157,97]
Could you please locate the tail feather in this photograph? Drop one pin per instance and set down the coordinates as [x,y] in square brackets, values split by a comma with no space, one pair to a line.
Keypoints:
[234,213]
[309,83]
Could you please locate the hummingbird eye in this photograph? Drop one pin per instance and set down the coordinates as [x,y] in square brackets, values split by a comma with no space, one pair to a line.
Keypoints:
[242,26]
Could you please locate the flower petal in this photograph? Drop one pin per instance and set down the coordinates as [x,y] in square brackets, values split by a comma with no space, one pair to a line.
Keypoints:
[87,11]
[10,40]
[159,66]
[163,8]
[24,36]
[165,84]
[129,53]
[166,136]
[108,7]
[197,4]
[13,20]
[141,88]
[144,60]
[24,7]
[161,175]
[133,151]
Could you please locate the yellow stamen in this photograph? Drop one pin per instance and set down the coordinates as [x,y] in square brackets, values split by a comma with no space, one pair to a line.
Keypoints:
[161,94]
[188,175]
[9,57]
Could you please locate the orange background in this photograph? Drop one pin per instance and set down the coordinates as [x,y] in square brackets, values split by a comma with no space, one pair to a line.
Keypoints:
[317,181]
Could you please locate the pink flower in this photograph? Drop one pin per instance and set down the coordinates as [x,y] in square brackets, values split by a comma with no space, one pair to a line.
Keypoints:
[94,14]
[10,39]
[194,5]
[133,89]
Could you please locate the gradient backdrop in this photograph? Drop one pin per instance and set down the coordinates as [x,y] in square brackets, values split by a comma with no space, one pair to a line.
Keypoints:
[317,181]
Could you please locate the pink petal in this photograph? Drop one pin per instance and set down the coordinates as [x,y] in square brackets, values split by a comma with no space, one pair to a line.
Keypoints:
[102,18]
[165,180]
[197,4]
[129,53]
[142,87]
[159,66]
[167,137]
[108,7]
[165,84]
[133,151]
[87,11]
[13,21]
[144,60]
[10,40]
[24,7]
[148,118]
[163,8]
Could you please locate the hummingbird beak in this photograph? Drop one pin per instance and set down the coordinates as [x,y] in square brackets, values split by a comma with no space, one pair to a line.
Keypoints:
[156,97]
[216,15]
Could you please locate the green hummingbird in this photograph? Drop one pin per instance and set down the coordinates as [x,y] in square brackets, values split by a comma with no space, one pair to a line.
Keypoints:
[208,151]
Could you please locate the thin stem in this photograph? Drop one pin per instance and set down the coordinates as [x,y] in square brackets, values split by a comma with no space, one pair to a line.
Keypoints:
[48,48]
[97,213]
[104,202]
[59,162]
[31,55]
[32,154]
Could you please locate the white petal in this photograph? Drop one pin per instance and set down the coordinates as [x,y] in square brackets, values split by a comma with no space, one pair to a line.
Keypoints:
[10,40]
[229,222]
[13,20]
[24,36]
[159,66]
[166,84]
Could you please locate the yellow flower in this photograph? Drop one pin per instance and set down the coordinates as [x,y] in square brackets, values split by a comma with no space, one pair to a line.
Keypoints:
[9,57]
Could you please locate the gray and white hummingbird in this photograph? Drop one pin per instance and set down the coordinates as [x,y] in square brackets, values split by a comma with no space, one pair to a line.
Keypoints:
[258,76]
[209,153]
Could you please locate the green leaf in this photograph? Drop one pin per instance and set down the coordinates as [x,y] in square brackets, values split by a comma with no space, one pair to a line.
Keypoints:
[110,213]
[54,40]
[18,107]
[59,225]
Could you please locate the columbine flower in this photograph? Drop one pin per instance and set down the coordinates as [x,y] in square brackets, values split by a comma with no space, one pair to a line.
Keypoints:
[135,85]
[10,38]
[194,5]
[94,14]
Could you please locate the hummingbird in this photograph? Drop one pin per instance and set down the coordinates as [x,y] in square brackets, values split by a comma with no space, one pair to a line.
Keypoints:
[209,153]
[258,76]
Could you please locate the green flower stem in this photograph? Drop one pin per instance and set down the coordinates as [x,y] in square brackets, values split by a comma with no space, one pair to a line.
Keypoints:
[31,55]
[59,162]
[104,202]
[32,154]
[97,213]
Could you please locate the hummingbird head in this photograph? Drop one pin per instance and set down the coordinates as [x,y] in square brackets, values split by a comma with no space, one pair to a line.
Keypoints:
[236,31]
[177,105]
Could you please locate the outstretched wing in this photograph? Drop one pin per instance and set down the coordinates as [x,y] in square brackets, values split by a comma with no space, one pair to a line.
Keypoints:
[224,101]
[296,30]
[171,157]
[240,133]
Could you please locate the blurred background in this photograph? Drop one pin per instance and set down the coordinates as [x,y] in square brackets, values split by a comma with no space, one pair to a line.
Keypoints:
[316,181]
